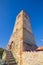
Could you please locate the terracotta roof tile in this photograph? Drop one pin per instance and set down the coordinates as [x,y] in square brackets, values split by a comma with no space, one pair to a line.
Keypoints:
[40,48]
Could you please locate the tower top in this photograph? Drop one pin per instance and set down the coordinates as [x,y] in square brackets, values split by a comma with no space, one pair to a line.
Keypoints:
[22,11]
[23,14]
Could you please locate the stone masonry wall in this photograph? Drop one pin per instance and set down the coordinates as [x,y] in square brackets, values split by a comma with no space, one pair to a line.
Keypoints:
[32,58]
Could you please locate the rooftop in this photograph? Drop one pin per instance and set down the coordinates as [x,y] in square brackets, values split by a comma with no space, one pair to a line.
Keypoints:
[39,48]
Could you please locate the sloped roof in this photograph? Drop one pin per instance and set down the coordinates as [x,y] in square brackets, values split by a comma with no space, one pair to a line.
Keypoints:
[39,48]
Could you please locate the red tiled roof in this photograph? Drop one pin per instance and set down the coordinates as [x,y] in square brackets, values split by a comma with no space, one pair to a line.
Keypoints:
[40,48]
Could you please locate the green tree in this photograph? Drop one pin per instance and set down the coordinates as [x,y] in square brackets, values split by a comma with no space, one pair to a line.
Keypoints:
[1,52]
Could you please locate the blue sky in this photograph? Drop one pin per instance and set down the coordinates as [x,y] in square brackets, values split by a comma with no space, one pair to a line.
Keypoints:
[8,12]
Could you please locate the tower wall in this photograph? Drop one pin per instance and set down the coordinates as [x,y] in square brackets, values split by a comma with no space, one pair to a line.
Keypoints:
[17,38]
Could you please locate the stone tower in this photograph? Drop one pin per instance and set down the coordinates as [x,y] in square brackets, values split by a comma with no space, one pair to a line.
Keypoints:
[22,38]
[22,45]
[22,33]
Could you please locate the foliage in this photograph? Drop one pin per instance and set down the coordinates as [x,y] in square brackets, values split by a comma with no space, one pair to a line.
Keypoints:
[2,62]
[1,52]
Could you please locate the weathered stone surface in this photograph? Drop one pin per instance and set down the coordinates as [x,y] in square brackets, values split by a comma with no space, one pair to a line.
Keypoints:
[32,58]
[22,40]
